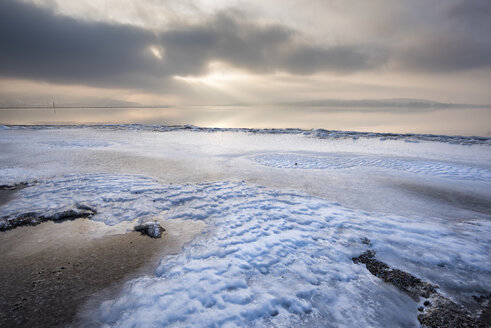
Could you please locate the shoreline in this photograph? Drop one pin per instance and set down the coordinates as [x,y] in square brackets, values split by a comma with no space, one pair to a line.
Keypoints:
[50,271]
[315,132]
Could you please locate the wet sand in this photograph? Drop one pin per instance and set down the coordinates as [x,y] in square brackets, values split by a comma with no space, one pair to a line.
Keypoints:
[8,192]
[48,272]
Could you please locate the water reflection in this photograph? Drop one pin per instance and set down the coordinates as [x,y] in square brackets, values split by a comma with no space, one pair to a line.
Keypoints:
[450,121]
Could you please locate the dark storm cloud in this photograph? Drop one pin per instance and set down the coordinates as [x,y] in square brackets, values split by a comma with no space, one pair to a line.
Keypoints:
[38,44]
[447,55]
[458,39]
[472,12]
[261,49]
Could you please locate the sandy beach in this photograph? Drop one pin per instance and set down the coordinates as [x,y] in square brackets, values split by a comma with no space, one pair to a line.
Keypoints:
[49,271]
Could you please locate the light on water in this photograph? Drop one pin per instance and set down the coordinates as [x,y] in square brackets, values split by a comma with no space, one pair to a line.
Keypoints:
[448,121]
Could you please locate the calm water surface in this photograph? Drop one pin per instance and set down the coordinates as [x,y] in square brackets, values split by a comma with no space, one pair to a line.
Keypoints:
[449,121]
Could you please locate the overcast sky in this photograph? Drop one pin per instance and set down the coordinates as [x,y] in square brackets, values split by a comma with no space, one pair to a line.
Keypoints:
[228,52]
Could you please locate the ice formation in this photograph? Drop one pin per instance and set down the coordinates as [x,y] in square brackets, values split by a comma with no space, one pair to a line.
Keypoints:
[268,257]
[432,168]
[278,255]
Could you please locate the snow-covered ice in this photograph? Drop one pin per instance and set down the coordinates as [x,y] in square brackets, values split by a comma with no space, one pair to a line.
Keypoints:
[285,214]
[268,257]
[280,258]
[433,168]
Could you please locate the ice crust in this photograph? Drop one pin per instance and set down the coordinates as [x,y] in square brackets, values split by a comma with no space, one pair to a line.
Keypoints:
[284,259]
[432,168]
[268,257]
[316,133]
[277,255]
[77,144]
[116,198]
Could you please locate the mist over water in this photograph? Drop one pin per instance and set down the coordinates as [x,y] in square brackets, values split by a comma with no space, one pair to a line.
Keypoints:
[448,121]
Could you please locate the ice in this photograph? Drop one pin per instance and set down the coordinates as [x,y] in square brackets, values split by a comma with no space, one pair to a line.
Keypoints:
[116,198]
[268,257]
[316,133]
[280,237]
[78,144]
[13,175]
[333,161]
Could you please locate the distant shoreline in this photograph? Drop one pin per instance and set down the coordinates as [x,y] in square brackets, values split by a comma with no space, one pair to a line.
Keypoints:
[314,132]
[78,107]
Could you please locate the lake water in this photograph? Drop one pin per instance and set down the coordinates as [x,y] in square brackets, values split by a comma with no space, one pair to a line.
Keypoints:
[448,121]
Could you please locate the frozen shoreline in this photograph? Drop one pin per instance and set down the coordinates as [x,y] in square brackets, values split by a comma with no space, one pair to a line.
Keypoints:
[280,237]
[315,133]
[270,257]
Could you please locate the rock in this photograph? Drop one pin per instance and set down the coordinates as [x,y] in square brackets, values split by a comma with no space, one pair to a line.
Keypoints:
[16,186]
[440,311]
[445,313]
[406,282]
[150,228]
[34,218]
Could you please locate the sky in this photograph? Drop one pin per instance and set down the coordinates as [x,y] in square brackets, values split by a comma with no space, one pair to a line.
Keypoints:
[214,52]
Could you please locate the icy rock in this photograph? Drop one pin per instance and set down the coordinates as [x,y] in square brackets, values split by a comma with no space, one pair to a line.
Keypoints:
[35,218]
[406,282]
[440,312]
[15,186]
[151,228]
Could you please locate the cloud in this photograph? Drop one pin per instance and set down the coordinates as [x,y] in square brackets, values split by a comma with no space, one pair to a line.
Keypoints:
[454,38]
[445,54]
[261,49]
[38,44]
[472,12]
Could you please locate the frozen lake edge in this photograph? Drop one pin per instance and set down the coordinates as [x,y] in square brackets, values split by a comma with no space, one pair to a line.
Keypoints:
[272,255]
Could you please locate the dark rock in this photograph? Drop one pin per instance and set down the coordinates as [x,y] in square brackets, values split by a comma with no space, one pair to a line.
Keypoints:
[404,281]
[151,228]
[445,313]
[485,302]
[16,186]
[439,312]
[34,218]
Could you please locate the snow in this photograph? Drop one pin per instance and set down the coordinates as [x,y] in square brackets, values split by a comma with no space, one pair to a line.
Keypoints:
[268,257]
[78,144]
[13,175]
[115,198]
[335,161]
[280,237]
[315,133]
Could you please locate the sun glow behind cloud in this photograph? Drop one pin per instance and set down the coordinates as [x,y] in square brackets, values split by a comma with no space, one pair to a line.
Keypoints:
[158,52]
[222,84]
[219,75]
[205,52]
